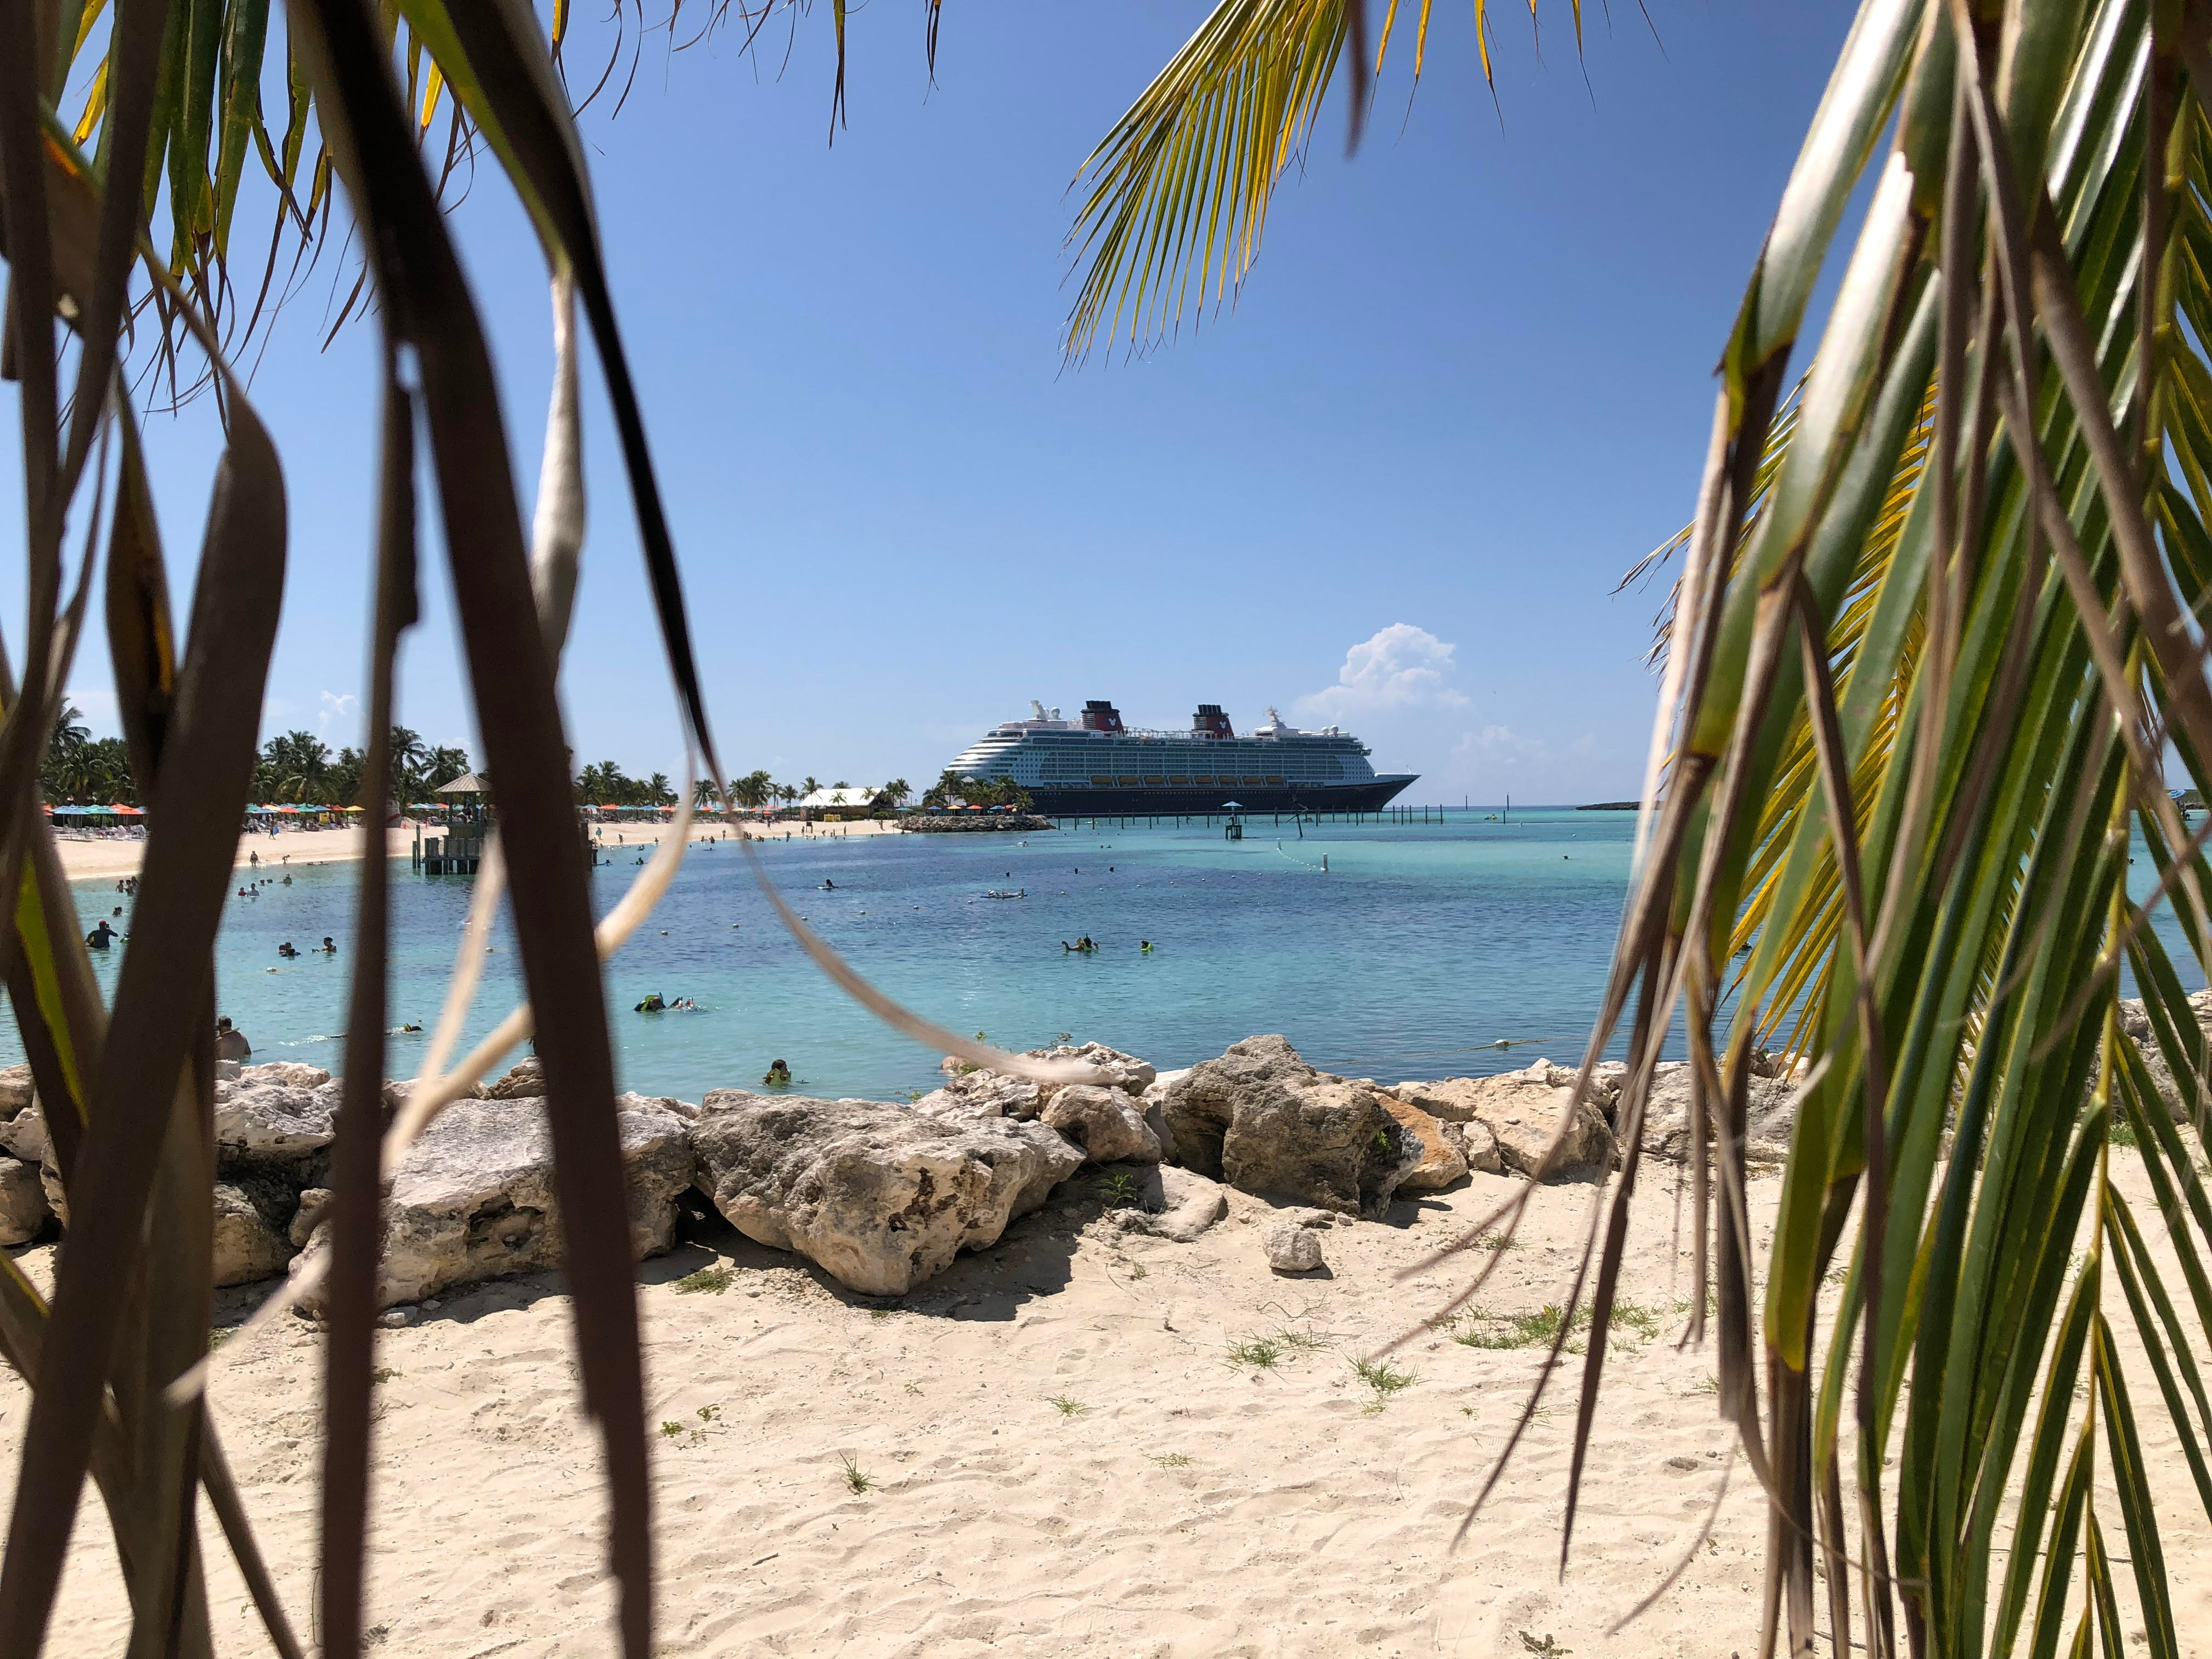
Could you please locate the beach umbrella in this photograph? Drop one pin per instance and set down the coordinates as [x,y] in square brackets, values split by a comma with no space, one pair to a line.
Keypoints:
[128,812]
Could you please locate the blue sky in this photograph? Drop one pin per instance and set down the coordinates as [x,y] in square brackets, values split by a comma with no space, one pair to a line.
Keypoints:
[1467,383]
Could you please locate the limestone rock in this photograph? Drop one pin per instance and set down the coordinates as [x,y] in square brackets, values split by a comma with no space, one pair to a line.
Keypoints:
[284,1074]
[2135,1023]
[878,1196]
[17,1092]
[1107,1123]
[284,1119]
[1476,1145]
[313,1203]
[248,1243]
[1264,1121]
[474,1198]
[1442,1162]
[1770,1114]
[50,1183]
[1521,1111]
[978,1094]
[526,1082]
[1123,1071]
[1172,1204]
[24,1135]
[1291,1249]
[24,1210]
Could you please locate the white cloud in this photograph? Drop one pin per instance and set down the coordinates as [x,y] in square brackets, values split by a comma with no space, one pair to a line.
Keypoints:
[1401,667]
[339,707]
[1501,745]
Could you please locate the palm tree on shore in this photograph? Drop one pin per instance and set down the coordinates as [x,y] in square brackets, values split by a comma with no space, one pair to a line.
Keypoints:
[1932,633]
[1934,627]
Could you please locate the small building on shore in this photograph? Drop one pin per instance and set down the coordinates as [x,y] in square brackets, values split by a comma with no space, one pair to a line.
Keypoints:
[845,800]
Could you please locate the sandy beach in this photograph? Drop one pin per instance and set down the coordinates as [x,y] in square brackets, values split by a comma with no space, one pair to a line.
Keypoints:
[1060,1452]
[86,857]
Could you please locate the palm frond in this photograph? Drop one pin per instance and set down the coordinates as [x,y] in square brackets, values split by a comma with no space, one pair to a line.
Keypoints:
[1180,188]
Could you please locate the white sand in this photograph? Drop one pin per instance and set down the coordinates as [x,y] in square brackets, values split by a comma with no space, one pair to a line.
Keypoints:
[1304,1522]
[85,858]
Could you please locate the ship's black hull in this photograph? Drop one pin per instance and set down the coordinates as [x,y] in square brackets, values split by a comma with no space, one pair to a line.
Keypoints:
[1258,798]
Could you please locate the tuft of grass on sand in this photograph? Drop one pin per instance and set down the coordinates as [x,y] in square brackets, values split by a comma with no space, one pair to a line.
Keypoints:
[1068,1405]
[708,1281]
[219,1335]
[1171,1460]
[1495,1241]
[1261,1352]
[1521,1330]
[1544,1647]
[1385,1378]
[670,1430]
[382,1374]
[1633,1322]
[856,1481]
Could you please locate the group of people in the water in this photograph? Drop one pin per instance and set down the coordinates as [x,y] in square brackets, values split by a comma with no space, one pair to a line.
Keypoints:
[657,1004]
[327,948]
[1086,946]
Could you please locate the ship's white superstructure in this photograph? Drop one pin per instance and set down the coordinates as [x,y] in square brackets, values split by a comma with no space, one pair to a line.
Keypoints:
[1096,764]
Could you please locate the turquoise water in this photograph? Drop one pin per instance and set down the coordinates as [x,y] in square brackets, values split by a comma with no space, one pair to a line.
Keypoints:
[1421,944]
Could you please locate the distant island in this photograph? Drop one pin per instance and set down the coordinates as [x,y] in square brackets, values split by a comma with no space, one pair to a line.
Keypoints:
[1611,806]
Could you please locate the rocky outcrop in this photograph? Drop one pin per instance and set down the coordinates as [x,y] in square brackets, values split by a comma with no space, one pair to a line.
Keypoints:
[880,1197]
[1520,1112]
[281,1114]
[24,1210]
[526,1081]
[24,1136]
[1108,1124]
[474,1198]
[1265,1122]
[250,1231]
[1291,1249]
[1173,1204]
[958,824]
[2135,1023]
[17,1090]
[1769,1115]
[284,1073]
[977,1094]
[1443,1157]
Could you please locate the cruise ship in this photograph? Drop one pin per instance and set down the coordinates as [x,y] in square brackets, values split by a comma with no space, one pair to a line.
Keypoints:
[1094,766]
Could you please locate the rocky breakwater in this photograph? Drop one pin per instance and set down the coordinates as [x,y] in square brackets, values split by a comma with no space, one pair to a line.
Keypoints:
[964,823]
[474,1198]
[1263,1120]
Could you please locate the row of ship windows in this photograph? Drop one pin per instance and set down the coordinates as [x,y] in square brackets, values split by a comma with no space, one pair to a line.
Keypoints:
[1155,780]
[1310,771]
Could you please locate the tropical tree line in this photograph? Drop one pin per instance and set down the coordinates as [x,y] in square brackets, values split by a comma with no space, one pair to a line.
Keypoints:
[958,789]
[293,767]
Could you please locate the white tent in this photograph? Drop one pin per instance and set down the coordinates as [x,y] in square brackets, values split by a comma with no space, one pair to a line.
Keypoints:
[848,797]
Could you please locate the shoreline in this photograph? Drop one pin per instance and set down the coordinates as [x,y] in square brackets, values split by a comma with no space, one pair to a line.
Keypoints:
[102,857]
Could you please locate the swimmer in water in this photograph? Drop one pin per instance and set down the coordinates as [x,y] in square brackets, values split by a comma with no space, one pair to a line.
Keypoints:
[778,1076]
[652,1005]
[99,938]
[286,950]
[329,949]
[1145,945]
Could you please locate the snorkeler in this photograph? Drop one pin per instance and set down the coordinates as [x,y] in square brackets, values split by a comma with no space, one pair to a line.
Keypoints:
[102,936]
[652,1005]
[778,1076]
[286,950]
